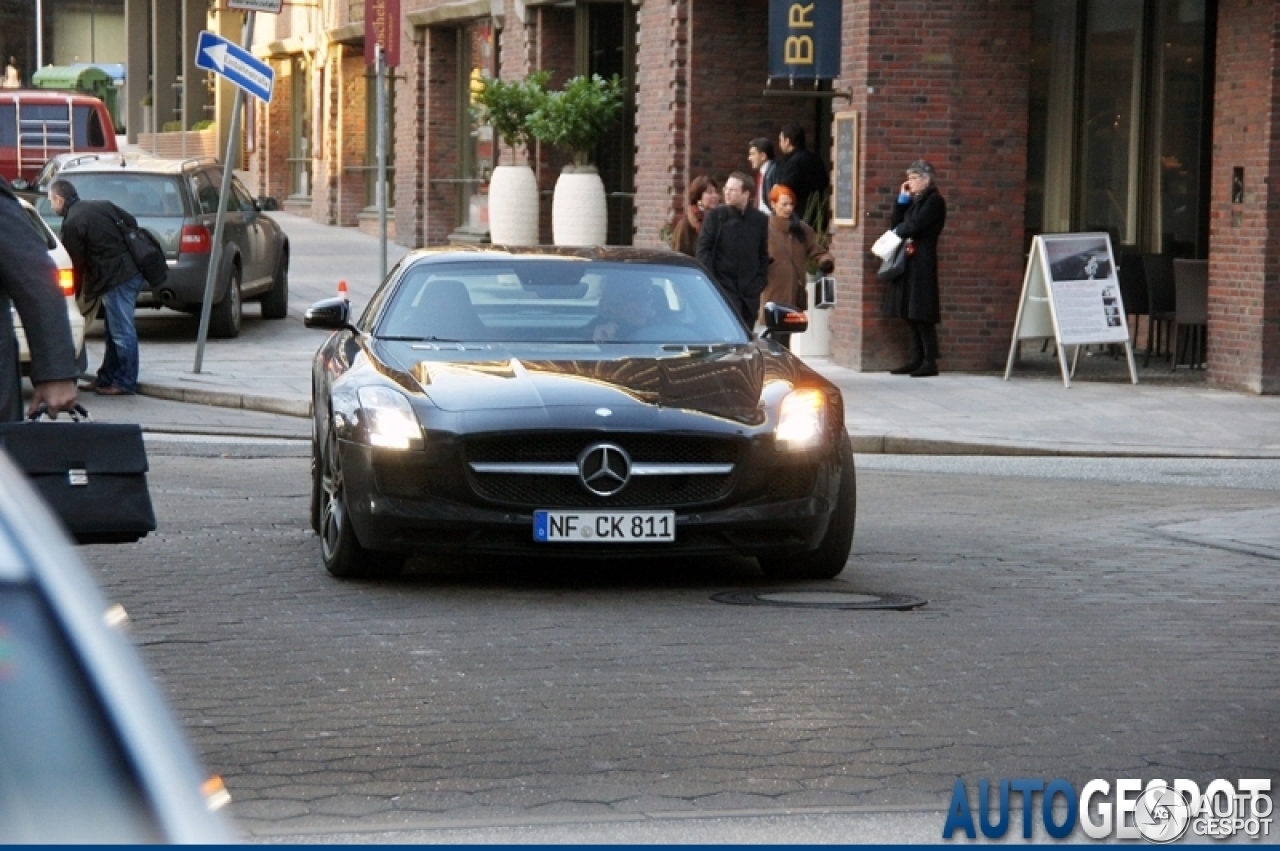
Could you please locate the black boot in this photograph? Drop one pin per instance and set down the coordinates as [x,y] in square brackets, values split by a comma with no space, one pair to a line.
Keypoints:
[929,343]
[917,353]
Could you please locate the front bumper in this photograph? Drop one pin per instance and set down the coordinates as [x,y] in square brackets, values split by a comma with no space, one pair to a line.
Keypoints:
[748,521]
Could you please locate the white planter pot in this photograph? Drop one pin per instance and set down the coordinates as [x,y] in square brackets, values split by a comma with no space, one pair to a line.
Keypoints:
[816,342]
[578,212]
[513,206]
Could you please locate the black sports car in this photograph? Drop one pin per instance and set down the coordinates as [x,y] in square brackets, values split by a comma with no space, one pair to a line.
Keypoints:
[584,402]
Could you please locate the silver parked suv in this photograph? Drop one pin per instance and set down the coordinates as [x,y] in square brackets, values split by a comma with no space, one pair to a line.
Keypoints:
[177,200]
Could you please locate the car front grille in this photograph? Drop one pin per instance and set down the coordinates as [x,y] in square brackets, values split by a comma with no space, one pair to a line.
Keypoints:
[567,492]
[539,490]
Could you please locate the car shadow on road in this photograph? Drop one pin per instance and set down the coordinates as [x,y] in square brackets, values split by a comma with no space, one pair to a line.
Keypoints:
[583,574]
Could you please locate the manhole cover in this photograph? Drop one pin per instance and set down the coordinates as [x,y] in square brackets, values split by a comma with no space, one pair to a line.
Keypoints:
[820,599]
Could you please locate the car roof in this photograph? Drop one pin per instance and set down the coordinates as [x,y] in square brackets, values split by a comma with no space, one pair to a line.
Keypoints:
[46,96]
[519,253]
[134,163]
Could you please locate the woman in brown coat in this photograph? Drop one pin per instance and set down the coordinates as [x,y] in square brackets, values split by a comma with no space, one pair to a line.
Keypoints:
[792,244]
[704,193]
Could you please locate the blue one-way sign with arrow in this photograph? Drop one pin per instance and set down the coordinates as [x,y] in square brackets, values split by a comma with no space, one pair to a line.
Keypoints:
[214,53]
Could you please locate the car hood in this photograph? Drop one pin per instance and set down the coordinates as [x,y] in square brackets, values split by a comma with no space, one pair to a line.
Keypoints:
[721,380]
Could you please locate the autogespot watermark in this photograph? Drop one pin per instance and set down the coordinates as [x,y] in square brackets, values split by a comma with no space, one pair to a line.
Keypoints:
[1157,811]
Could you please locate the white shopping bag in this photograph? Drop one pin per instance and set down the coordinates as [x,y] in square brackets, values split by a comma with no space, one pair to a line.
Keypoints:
[886,245]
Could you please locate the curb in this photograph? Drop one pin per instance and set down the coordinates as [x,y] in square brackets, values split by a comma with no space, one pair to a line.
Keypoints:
[863,444]
[226,399]
[888,444]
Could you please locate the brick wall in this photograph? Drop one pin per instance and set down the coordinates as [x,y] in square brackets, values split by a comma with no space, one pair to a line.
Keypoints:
[1244,239]
[662,103]
[439,134]
[946,81]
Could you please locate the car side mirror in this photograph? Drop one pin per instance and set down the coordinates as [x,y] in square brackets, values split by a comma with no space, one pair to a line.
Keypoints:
[332,313]
[784,319]
[20,184]
[268,204]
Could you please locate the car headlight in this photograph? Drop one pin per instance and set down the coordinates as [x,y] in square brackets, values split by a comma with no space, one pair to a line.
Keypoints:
[801,420]
[389,419]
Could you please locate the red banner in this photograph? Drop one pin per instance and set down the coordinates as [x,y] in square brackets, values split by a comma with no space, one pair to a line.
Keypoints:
[382,26]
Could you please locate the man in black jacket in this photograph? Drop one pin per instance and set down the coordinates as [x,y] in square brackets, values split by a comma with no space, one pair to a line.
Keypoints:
[734,247]
[28,280]
[92,235]
[801,172]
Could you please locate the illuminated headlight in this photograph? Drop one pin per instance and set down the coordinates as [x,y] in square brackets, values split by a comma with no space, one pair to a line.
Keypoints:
[389,419]
[801,420]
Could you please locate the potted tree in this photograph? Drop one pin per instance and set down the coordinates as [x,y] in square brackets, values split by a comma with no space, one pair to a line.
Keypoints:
[505,106]
[573,120]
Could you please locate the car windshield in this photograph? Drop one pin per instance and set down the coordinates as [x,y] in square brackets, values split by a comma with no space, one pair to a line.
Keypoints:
[560,300]
[150,195]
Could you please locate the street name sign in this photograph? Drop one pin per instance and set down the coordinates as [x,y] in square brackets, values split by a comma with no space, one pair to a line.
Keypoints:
[240,67]
[272,6]
[1071,294]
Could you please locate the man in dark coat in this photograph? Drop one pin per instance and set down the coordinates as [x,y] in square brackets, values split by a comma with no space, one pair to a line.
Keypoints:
[919,215]
[28,280]
[734,247]
[802,172]
[93,238]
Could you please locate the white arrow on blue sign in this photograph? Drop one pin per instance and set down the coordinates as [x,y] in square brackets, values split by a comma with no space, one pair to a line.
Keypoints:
[240,67]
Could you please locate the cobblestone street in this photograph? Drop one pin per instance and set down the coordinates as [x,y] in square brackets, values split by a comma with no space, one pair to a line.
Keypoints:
[1066,635]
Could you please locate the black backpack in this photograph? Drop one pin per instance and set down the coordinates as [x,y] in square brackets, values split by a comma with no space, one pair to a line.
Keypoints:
[146,252]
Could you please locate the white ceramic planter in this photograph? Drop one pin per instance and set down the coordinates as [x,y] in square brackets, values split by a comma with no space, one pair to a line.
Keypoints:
[578,212]
[816,342]
[513,206]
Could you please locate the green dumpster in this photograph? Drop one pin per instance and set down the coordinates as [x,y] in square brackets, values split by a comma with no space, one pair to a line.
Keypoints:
[88,80]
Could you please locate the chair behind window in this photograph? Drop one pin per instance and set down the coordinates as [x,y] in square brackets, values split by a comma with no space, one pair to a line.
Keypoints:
[1161,301]
[1191,312]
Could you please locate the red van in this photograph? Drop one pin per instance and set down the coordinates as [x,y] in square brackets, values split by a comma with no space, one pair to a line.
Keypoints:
[36,124]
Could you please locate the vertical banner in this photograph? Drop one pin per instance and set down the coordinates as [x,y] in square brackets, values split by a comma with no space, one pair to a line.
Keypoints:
[382,26]
[804,39]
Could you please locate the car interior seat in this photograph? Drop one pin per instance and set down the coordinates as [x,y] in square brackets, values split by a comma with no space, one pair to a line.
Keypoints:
[443,309]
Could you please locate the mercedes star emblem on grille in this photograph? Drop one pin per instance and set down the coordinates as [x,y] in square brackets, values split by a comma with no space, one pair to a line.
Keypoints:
[604,468]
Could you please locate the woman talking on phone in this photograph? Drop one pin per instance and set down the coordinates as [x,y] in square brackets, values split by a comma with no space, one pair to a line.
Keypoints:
[919,216]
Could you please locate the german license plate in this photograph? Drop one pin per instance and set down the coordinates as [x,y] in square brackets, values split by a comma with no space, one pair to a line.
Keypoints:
[604,527]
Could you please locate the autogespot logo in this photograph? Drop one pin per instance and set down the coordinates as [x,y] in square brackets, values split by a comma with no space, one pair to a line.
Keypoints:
[1158,812]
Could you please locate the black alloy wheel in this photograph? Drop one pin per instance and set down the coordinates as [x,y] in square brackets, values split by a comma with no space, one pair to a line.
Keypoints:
[225,317]
[341,552]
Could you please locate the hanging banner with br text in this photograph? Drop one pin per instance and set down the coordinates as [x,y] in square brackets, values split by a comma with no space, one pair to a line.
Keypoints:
[804,39]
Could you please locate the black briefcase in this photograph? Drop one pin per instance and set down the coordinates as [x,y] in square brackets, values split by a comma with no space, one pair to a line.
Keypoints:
[92,475]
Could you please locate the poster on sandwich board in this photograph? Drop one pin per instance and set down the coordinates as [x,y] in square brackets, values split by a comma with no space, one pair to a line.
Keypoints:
[1071,294]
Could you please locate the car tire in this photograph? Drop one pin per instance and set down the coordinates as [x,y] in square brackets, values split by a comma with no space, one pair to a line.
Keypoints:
[341,552]
[317,484]
[225,317]
[275,304]
[832,554]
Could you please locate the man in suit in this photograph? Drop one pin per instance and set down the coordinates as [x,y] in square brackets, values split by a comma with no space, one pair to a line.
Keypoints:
[760,155]
[734,247]
[28,280]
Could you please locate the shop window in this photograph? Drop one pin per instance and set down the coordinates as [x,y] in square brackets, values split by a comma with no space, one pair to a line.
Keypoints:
[1118,123]
[477,58]
[300,127]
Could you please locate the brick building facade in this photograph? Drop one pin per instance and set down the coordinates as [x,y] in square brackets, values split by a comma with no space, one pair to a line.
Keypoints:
[951,82]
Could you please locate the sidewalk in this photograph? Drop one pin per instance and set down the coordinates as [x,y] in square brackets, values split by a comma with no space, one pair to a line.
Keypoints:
[268,369]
